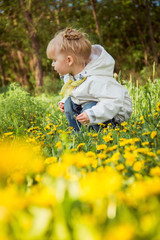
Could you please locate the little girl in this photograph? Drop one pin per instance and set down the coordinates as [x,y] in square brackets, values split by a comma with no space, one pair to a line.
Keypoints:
[91,94]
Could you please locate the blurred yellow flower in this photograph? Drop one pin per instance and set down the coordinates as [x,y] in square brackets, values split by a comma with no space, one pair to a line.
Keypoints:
[59,145]
[101,147]
[115,156]
[42,196]
[130,158]
[19,157]
[80,145]
[124,124]
[146,133]
[94,135]
[155,171]
[155,114]
[158,107]
[50,133]
[123,231]
[110,149]
[108,138]
[101,155]
[145,144]
[10,202]
[91,154]
[8,134]
[138,166]
[125,141]
[107,180]
[153,134]
[120,166]
[50,160]
[144,188]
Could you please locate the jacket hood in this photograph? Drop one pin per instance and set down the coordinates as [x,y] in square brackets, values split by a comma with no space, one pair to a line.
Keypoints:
[102,63]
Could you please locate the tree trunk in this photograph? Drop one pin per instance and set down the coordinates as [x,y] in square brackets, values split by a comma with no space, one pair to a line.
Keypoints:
[35,45]
[93,3]
[151,34]
[23,68]
[141,38]
[3,72]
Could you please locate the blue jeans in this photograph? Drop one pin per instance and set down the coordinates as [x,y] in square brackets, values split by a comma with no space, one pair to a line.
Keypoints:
[72,110]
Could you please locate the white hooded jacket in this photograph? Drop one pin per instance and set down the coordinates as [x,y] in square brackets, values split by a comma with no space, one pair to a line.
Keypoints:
[112,98]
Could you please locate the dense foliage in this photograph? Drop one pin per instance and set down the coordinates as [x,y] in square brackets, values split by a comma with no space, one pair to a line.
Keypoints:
[58,185]
[129,30]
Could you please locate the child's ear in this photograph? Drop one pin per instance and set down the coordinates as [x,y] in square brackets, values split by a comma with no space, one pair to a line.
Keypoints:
[70,60]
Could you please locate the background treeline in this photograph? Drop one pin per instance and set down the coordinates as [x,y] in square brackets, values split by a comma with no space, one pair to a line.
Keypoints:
[128,29]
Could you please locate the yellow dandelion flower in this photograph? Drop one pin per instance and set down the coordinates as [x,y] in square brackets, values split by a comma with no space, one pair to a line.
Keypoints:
[138,166]
[124,141]
[107,179]
[120,167]
[144,188]
[146,133]
[101,124]
[80,145]
[115,157]
[90,154]
[101,155]
[130,158]
[124,124]
[10,201]
[43,197]
[138,176]
[146,151]
[89,134]
[122,231]
[110,149]
[94,135]
[19,157]
[142,118]
[50,133]
[155,114]
[8,134]
[50,160]
[158,107]
[58,144]
[60,131]
[101,147]
[153,134]
[145,144]
[155,171]
[108,138]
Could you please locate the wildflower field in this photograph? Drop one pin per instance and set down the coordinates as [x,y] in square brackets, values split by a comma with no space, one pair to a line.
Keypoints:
[56,185]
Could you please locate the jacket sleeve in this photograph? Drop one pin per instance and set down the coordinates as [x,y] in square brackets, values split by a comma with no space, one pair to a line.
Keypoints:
[110,95]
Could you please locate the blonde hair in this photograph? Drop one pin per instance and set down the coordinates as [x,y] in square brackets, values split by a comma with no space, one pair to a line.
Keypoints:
[71,41]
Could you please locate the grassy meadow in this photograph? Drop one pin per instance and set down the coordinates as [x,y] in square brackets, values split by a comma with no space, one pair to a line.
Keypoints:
[56,185]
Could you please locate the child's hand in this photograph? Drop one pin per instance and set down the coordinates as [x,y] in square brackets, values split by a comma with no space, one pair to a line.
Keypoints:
[83,118]
[61,106]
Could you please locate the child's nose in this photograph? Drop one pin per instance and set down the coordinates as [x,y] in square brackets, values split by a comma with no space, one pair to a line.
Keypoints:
[52,64]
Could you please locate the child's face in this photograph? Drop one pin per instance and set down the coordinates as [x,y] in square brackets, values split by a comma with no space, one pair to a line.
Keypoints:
[60,63]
